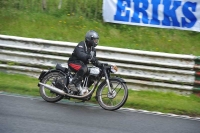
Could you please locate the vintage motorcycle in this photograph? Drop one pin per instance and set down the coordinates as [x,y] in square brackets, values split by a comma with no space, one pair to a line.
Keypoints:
[111,93]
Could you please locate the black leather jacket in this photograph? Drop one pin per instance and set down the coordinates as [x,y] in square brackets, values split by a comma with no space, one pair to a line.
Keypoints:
[82,53]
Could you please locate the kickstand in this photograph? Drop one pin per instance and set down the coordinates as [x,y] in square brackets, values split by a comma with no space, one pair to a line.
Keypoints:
[66,97]
[82,101]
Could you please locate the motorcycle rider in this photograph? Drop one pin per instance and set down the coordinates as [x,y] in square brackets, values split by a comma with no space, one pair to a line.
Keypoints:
[83,53]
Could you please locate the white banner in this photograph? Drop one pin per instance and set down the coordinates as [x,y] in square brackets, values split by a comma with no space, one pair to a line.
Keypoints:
[178,14]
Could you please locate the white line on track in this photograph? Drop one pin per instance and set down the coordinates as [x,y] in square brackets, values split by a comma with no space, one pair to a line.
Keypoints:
[121,109]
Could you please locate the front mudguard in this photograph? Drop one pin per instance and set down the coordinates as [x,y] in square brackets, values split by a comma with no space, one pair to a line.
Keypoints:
[117,78]
[122,80]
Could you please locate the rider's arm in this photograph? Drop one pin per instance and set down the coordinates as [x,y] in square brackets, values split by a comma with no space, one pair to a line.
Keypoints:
[80,52]
[96,62]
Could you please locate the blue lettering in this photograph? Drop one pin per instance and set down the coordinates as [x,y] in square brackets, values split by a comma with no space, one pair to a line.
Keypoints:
[189,15]
[123,12]
[170,13]
[155,20]
[121,8]
[138,10]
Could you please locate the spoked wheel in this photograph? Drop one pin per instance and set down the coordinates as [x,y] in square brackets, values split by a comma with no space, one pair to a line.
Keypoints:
[47,94]
[115,99]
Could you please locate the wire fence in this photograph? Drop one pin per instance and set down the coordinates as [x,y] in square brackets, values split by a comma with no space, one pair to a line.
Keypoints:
[88,8]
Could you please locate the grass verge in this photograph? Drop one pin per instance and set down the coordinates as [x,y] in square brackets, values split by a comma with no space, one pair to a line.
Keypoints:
[146,100]
[72,28]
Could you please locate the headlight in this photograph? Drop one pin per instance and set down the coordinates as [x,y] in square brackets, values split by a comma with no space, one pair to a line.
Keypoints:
[113,68]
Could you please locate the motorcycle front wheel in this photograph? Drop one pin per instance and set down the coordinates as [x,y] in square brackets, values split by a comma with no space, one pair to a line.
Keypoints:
[47,94]
[115,99]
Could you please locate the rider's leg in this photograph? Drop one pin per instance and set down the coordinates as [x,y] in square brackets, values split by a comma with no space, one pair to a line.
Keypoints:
[77,80]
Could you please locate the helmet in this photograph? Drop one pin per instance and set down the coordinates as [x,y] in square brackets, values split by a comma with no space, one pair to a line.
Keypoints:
[92,38]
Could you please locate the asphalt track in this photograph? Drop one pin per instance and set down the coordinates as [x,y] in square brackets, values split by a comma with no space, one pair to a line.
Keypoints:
[25,114]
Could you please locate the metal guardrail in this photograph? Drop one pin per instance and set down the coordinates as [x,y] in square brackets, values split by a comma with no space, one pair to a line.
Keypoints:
[141,69]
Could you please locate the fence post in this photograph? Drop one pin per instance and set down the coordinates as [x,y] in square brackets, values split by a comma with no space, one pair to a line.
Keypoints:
[197,76]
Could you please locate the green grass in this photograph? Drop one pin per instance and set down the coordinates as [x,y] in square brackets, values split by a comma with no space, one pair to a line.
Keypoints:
[164,102]
[147,100]
[20,84]
[72,28]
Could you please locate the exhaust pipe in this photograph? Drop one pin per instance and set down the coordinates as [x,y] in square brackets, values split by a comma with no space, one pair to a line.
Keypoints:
[54,89]
[61,92]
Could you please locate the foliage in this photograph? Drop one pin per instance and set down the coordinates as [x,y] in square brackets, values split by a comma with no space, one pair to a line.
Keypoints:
[27,18]
[87,8]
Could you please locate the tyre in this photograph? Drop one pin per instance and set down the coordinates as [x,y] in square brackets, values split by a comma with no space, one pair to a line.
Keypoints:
[47,94]
[116,99]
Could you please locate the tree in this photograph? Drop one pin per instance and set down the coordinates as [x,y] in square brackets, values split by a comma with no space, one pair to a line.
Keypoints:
[60,4]
[44,4]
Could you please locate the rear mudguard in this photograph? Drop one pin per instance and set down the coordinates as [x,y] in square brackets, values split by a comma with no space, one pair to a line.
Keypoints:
[45,72]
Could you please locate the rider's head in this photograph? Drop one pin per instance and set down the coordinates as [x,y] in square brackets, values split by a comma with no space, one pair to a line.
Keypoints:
[92,38]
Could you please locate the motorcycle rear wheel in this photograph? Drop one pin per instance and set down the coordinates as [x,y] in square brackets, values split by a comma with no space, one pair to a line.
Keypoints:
[47,94]
[116,99]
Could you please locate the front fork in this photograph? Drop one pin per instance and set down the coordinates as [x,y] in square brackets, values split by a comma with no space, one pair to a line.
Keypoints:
[107,81]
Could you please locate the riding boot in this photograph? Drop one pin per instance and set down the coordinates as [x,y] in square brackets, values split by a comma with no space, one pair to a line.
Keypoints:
[73,82]
[76,82]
